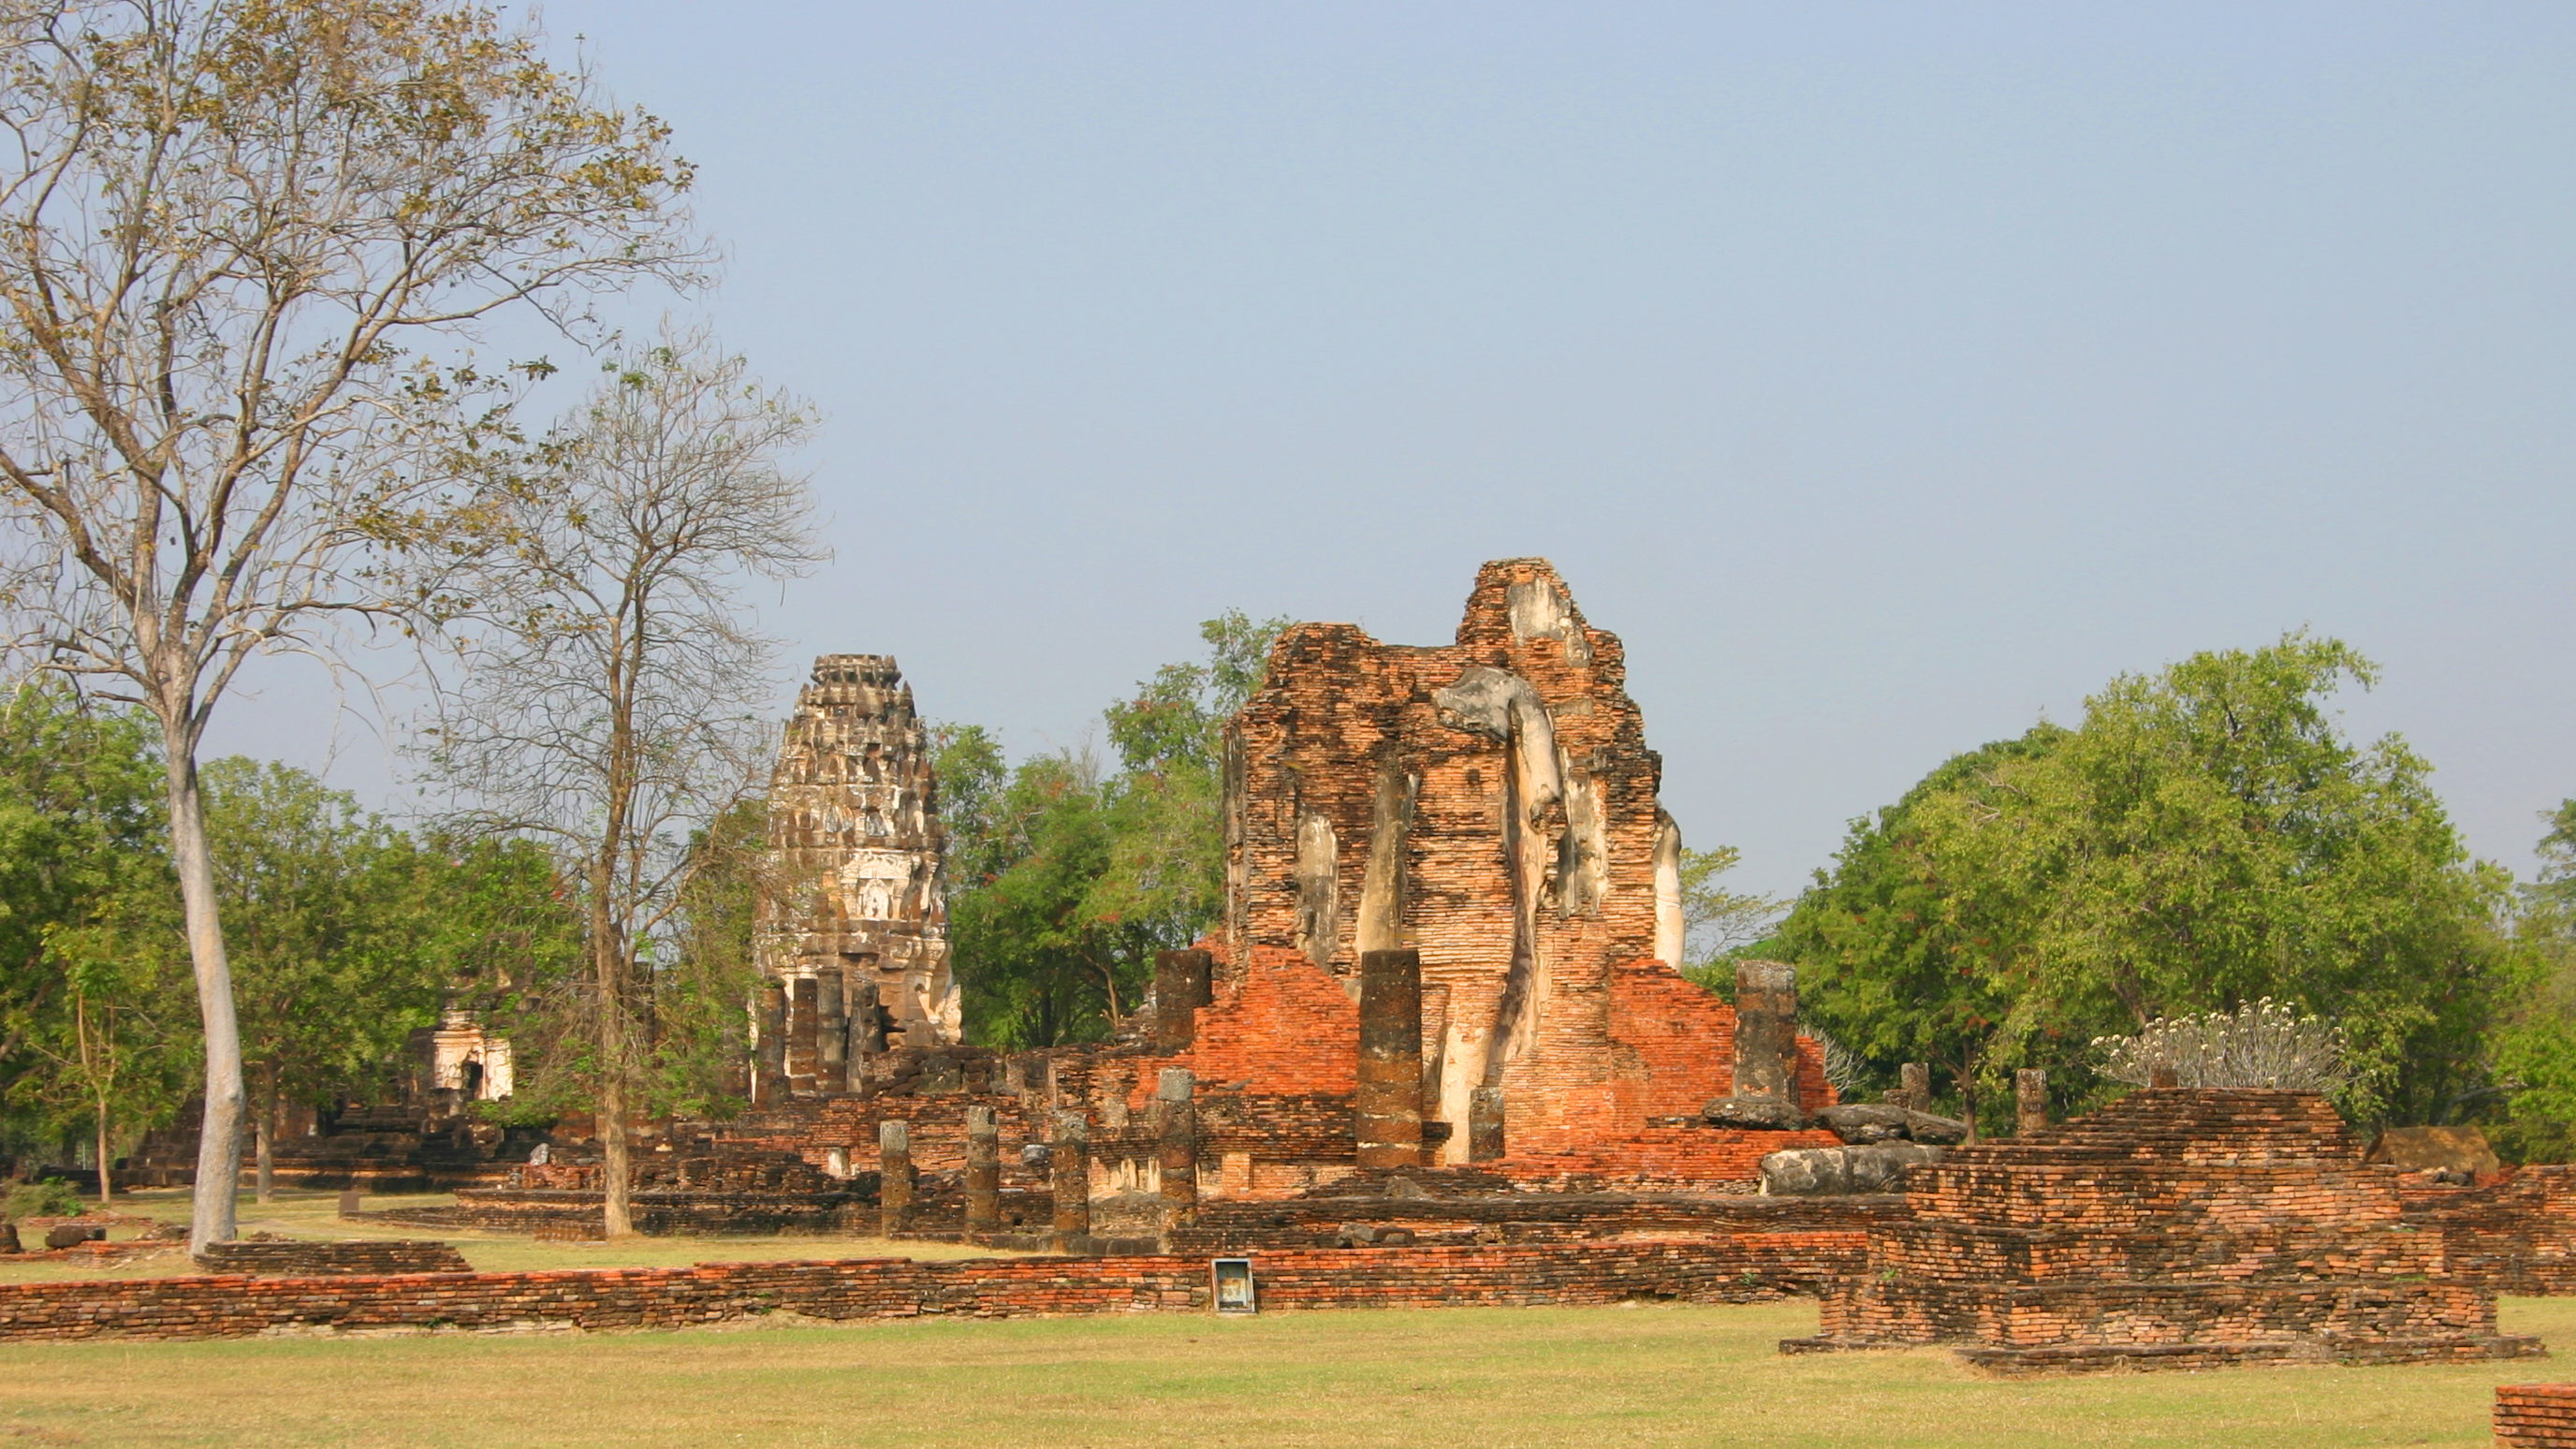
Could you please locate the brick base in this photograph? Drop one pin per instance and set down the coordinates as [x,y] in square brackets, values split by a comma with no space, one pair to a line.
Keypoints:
[1745,1268]
[2535,1416]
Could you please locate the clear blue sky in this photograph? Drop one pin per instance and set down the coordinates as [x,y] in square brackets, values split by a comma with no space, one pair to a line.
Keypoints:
[1886,375]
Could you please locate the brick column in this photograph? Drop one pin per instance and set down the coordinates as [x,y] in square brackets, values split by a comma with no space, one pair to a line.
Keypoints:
[1766,1030]
[2030,1101]
[1389,1125]
[1484,1124]
[894,1181]
[800,1028]
[1180,989]
[831,1036]
[983,1171]
[1071,1160]
[769,1077]
[1176,1140]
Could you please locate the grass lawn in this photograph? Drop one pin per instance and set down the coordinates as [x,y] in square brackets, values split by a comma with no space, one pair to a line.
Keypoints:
[1483,1377]
[307,1214]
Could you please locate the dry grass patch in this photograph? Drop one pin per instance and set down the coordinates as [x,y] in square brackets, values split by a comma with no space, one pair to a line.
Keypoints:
[1486,1377]
[300,1213]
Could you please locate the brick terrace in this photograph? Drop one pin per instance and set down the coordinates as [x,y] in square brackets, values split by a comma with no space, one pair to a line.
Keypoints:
[1733,1269]
[2172,1229]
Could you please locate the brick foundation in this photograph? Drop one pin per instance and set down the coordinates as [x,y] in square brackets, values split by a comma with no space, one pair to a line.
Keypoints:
[313,1259]
[2173,1229]
[1737,1269]
[2535,1416]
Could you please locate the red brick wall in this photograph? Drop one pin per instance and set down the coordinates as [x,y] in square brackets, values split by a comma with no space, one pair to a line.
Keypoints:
[2535,1416]
[1678,1040]
[1728,1269]
[2160,1231]
[1284,1027]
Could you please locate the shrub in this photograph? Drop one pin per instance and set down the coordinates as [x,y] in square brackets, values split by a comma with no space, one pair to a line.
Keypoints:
[51,1198]
[2259,1044]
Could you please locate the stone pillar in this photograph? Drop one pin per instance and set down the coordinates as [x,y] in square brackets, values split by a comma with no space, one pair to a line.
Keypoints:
[1389,1125]
[1071,1161]
[894,1180]
[1180,989]
[1484,1124]
[983,1171]
[867,1025]
[2030,1101]
[1176,1142]
[801,1035]
[769,1082]
[831,1036]
[1766,1030]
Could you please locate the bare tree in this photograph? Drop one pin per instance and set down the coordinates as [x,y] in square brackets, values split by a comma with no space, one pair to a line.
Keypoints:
[613,693]
[227,231]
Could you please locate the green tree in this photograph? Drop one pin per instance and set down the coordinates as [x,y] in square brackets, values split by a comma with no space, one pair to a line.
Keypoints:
[1888,963]
[612,669]
[1063,883]
[2536,1045]
[1166,806]
[2207,836]
[1719,923]
[87,926]
[1038,963]
[323,912]
[243,247]
[702,971]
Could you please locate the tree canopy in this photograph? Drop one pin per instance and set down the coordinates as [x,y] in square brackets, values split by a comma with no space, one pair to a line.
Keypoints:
[2205,837]
[1064,879]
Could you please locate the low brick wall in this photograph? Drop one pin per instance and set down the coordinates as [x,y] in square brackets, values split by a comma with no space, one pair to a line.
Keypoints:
[311,1259]
[2535,1416]
[1736,1269]
[2517,1236]
[1516,1218]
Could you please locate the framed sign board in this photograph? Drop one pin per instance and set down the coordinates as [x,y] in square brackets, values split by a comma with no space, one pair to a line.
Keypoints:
[1231,1282]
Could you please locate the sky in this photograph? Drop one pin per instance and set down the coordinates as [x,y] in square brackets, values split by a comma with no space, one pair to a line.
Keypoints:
[1886,376]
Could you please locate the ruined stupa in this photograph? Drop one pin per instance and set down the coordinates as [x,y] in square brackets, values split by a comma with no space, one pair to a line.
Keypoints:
[854,907]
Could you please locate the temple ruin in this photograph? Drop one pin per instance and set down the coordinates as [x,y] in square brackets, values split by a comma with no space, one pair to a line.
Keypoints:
[1436,1048]
[851,931]
[2176,1228]
[1491,805]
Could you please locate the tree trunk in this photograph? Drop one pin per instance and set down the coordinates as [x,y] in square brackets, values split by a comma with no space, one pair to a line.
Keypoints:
[267,1133]
[106,1169]
[219,1144]
[608,961]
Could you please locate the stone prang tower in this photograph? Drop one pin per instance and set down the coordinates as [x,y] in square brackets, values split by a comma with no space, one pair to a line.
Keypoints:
[852,927]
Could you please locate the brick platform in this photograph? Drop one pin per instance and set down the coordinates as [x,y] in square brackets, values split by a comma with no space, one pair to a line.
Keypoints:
[2516,1236]
[1748,1268]
[2174,1229]
[314,1259]
[2535,1416]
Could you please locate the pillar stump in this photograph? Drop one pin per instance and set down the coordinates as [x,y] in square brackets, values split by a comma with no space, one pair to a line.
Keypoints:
[1389,1106]
[983,1171]
[894,1179]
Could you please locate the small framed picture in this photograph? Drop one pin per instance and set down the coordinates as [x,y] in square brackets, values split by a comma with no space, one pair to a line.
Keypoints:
[1231,1279]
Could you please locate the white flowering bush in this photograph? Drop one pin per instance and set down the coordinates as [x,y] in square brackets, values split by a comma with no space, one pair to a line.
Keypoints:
[2260,1044]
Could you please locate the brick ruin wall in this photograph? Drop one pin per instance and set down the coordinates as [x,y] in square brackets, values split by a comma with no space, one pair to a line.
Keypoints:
[310,1259]
[2535,1416]
[2172,1229]
[1726,1270]
[2516,1236]
[1492,804]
